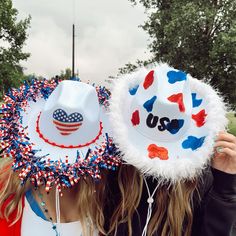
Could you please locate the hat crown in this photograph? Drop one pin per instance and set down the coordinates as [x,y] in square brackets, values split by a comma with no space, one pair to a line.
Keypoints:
[71,109]
[163,103]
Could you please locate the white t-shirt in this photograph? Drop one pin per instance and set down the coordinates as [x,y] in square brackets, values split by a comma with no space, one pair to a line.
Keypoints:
[33,225]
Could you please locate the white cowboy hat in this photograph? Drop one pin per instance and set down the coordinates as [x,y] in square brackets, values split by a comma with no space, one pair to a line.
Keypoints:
[165,121]
[57,133]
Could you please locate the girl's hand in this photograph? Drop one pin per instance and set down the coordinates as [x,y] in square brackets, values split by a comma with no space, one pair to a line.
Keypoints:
[225,153]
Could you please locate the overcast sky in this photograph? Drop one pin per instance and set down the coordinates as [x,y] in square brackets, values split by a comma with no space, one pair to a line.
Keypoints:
[107,36]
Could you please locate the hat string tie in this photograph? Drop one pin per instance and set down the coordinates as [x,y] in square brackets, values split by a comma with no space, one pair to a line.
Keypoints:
[150,201]
[58,212]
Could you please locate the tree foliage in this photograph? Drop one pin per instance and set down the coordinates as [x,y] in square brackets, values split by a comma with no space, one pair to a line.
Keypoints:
[65,74]
[196,36]
[12,39]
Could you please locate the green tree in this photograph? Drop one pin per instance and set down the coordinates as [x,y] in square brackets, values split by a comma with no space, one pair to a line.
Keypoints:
[12,39]
[196,36]
[65,74]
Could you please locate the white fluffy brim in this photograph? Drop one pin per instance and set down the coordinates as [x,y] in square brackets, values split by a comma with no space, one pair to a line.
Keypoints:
[130,141]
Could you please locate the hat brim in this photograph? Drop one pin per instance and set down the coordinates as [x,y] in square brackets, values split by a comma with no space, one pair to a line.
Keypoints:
[182,163]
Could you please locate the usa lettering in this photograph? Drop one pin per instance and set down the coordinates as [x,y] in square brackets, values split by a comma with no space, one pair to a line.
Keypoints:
[162,124]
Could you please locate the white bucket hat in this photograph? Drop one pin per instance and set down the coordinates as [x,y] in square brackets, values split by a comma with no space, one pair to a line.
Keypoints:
[165,122]
[57,133]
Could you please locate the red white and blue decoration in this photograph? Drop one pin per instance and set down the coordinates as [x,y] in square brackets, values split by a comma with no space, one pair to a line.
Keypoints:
[164,122]
[67,124]
[57,132]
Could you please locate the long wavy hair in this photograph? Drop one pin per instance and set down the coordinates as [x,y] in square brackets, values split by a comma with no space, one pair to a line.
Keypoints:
[90,198]
[173,208]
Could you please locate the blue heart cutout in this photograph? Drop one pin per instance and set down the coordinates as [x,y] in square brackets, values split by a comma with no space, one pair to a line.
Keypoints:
[133,90]
[196,102]
[148,105]
[174,126]
[193,142]
[176,76]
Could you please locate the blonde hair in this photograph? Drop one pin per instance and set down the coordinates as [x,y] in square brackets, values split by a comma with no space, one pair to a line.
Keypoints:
[90,198]
[10,187]
[173,210]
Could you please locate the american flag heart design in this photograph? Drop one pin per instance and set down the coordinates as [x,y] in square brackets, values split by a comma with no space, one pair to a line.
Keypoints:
[67,124]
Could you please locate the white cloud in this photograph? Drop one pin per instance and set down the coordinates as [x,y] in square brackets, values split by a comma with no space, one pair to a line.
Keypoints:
[107,36]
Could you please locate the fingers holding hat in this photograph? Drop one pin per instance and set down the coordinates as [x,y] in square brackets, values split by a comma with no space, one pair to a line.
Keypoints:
[224,136]
[224,144]
[226,141]
[225,153]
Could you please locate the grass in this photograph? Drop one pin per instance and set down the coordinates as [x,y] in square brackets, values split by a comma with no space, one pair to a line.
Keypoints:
[232,123]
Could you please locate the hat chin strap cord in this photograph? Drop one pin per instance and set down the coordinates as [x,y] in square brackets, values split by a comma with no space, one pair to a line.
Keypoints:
[150,201]
[58,212]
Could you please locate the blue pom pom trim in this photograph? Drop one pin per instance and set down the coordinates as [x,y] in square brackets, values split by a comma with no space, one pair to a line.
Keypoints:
[40,170]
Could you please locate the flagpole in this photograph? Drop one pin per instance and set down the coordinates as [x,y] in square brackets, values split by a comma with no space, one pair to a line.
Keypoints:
[73,51]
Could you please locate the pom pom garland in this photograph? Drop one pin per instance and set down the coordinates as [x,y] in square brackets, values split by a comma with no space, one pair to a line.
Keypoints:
[40,170]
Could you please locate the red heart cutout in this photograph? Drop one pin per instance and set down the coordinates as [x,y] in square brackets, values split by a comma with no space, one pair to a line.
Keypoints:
[178,98]
[155,151]
[199,118]
[149,79]
[135,118]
